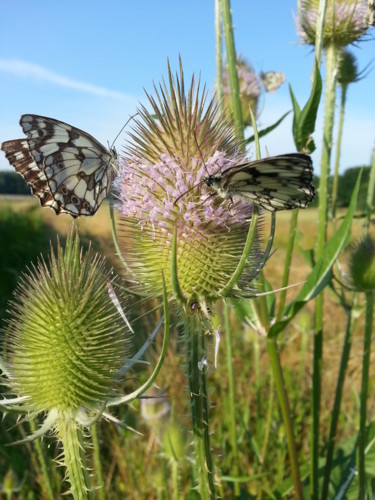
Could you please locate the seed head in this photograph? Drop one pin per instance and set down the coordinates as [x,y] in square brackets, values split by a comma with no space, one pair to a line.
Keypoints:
[173,148]
[346,21]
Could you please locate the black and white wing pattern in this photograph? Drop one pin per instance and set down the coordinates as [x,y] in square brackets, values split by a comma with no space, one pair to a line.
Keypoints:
[67,168]
[272,80]
[280,182]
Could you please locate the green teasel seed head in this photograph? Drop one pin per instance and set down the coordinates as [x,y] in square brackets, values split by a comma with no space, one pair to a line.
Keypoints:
[160,190]
[65,341]
[345,22]
[362,264]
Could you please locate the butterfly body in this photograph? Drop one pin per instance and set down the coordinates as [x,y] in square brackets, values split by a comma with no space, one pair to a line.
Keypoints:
[67,168]
[280,182]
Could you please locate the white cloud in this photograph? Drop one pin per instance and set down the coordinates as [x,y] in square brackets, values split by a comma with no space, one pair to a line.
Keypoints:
[25,69]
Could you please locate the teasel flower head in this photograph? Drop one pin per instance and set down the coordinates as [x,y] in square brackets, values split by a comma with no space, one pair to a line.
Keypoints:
[250,89]
[346,21]
[65,340]
[348,69]
[160,192]
[362,264]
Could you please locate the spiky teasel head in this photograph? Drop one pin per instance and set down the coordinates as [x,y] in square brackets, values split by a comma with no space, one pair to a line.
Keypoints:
[250,89]
[346,21]
[362,264]
[174,146]
[64,341]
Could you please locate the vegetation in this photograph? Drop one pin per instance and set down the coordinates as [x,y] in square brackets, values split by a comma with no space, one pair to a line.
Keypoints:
[261,393]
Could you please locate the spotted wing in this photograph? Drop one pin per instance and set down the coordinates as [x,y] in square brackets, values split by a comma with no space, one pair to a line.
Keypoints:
[272,80]
[277,183]
[68,169]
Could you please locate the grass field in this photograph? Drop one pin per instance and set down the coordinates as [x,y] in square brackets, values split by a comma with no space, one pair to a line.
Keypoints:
[134,463]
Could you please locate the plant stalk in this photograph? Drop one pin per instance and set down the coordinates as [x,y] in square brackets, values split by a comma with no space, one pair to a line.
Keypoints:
[194,328]
[362,435]
[335,185]
[232,67]
[71,437]
[231,400]
[330,95]
[338,396]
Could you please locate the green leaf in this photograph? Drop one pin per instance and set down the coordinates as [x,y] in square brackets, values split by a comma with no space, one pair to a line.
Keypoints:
[297,113]
[322,272]
[267,130]
[304,121]
[308,115]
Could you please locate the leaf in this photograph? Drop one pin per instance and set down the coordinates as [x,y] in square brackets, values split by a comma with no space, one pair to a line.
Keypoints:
[304,121]
[322,272]
[267,130]
[310,111]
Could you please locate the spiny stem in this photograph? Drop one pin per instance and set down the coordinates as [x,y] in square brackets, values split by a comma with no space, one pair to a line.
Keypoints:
[70,434]
[195,350]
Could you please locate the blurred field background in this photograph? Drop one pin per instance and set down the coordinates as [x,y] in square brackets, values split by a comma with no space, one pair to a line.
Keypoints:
[135,464]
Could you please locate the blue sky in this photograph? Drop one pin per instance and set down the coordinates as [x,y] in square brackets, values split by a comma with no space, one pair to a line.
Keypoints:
[87,62]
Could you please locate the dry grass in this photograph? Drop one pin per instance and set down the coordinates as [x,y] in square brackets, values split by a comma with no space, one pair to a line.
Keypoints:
[98,228]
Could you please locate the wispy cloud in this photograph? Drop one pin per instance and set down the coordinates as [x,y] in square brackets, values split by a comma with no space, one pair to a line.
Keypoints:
[25,69]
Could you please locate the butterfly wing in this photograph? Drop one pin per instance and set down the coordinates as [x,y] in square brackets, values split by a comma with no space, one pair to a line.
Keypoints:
[272,80]
[67,168]
[277,183]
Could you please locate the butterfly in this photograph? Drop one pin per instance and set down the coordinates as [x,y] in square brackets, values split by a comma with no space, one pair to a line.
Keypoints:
[272,80]
[279,182]
[66,168]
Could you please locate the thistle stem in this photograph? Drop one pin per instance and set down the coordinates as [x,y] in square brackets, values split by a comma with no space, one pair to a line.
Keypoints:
[288,261]
[232,67]
[370,195]
[284,406]
[219,55]
[45,469]
[195,350]
[330,95]
[97,462]
[71,437]
[338,150]
[338,396]
[370,303]
[231,398]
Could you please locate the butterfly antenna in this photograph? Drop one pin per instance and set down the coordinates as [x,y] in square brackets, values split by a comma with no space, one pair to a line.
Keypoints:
[200,153]
[199,183]
[187,191]
[117,136]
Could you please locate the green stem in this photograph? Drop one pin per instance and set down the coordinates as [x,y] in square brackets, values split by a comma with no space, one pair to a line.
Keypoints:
[219,56]
[370,194]
[282,396]
[231,399]
[364,394]
[288,261]
[97,463]
[319,37]
[71,437]
[174,466]
[338,150]
[232,67]
[330,94]
[338,396]
[284,406]
[45,469]
[194,335]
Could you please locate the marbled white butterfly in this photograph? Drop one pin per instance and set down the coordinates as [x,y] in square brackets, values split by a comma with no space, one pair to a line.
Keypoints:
[272,80]
[279,182]
[67,169]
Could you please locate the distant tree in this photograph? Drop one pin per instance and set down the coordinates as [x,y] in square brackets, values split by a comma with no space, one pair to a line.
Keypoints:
[346,183]
[13,183]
